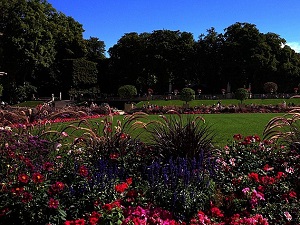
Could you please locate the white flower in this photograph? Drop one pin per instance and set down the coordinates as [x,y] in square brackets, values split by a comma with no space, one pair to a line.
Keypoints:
[289,170]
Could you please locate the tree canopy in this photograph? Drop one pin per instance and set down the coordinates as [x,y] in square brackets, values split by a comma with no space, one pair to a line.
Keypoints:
[36,41]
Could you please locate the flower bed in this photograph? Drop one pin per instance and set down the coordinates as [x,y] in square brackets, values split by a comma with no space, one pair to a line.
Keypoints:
[110,178]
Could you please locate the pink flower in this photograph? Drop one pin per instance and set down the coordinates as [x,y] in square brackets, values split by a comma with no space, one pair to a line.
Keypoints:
[288,216]
[246,190]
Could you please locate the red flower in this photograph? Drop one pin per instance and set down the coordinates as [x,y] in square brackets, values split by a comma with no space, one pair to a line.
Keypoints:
[267,168]
[94,218]
[83,171]
[129,180]
[254,176]
[120,188]
[237,137]
[279,175]
[69,222]
[261,188]
[256,138]
[293,194]
[215,211]
[267,180]
[17,190]
[48,166]
[80,222]
[53,203]
[123,136]
[37,178]
[132,194]
[114,156]
[110,206]
[56,187]
[23,178]
[26,197]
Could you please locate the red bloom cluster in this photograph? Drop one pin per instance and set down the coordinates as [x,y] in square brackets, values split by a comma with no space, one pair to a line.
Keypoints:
[120,188]
[37,178]
[75,222]
[266,180]
[110,206]
[56,188]
[94,218]
[53,203]
[23,178]
[83,171]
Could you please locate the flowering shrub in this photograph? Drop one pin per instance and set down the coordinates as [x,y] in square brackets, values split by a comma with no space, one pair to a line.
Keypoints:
[259,177]
[106,177]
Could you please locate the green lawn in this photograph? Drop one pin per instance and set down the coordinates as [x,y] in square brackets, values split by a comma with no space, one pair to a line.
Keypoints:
[194,103]
[224,125]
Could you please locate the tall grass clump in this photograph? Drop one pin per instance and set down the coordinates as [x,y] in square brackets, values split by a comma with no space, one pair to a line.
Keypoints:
[285,129]
[177,136]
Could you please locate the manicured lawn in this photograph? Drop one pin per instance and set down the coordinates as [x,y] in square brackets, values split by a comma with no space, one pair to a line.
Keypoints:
[224,125]
[194,103]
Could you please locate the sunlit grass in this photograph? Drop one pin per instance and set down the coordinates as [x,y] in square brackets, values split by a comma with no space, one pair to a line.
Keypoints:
[194,103]
[224,125]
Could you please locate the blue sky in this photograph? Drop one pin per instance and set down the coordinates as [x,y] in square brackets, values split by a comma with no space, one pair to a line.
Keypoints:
[109,20]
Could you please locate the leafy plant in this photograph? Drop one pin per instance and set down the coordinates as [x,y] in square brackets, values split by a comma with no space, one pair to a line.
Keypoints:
[187,94]
[172,136]
[241,94]
[285,128]
[270,87]
[127,91]
[256,176]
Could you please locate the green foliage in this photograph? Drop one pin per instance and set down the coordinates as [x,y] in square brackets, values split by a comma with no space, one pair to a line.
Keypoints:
[1,90]
[270,87]
[285,129]
[127,91]
[254,176]
[178,136]
[187,94]
[84,73]
[24,92]
[241,94]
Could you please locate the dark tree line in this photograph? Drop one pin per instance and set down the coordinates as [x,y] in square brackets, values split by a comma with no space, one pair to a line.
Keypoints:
[43,51]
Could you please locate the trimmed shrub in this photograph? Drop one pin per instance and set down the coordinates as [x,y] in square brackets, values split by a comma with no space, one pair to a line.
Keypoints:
[127,91]
[270,87]
[241,94]
[187,94]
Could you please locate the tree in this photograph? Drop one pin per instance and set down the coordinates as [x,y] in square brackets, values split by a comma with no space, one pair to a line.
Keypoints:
[26,40]
[187,94]
[127,91]
[270,87]
[95,49]
[241,94]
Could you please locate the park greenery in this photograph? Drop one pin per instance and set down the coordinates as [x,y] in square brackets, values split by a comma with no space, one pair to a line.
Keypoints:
[211,162]
[241,94]
[94,170]
[44,48]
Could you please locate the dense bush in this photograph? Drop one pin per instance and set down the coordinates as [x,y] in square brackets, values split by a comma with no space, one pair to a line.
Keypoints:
[270,87]
[187,94]
[127,91]
[241,94]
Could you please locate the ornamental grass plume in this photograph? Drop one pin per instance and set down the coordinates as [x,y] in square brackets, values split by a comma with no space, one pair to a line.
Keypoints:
[284,129]
[172,136]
